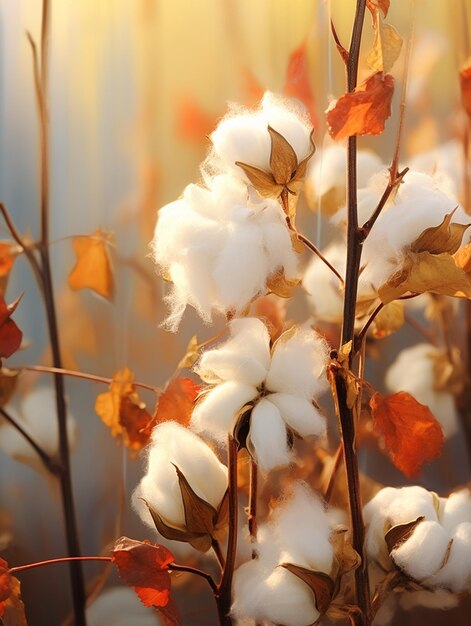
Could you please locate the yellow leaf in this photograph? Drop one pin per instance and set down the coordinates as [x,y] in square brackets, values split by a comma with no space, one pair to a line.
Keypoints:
[375,5]
[425,272]
[446,237]
[387,46]
[388,320]
[92,269]
[462,258]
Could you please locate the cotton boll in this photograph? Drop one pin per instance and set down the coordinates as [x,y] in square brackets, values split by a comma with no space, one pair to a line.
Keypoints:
[299,414]
[457,509]
[444,162]
[411,503]
[413,371]
[119,606]
[267,439]
[215,411]
[323,287]
[243,135]
[172,445]
[422,554]
[455,575]
[233,361]
[298,365]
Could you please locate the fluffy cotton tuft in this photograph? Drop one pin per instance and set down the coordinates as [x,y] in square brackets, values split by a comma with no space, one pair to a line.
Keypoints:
[298,533]
[414,371]
[218,246]
[243,135]
[172,445]
[280,384]
[438,552]
[38,416]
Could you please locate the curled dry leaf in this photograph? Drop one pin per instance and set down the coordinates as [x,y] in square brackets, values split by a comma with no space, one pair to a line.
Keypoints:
[381,5]
[122,411]
[363,111]
[281,286]
[10,334]
[411,434]
[446,237]
[465,83]
[320,583]
[387,46]
[12,609]
[145,567]
[93,269]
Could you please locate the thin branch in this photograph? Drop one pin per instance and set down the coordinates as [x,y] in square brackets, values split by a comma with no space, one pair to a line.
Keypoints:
[368,225]
[174,567]
[359,339]
[316,250]
[342,51]
[51,465]
[65,559]
[93,377]
[218,552]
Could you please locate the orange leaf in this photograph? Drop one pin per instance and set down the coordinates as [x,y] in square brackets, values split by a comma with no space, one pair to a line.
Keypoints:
[122,411]
[193,122]
[8,253]
[177,401]
[465,81]
[144,567]
[12,610]
[412,435]
[382,5]
[10,334]
[93,269]
[297,84]
[363,111]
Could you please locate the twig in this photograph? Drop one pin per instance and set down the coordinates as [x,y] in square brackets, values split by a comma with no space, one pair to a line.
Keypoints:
[51,465]
[316,250]
[359,339]
[93,377]
[65,559]
[174,567]
[393,183]
[71,530]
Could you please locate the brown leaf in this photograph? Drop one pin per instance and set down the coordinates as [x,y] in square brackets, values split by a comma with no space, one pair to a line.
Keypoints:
[412,436]
[122,411]
[283,159]
[346,557]
[177,402]
[12,609]
[93,269]
[281,286]
[388,320]
[144,567]
[387,46]
[263,182]
[465,83]
[424,272]
[446,237]
[399,534]
[10,334]
[375,5]
[320,583]
[8,381]
[363,111]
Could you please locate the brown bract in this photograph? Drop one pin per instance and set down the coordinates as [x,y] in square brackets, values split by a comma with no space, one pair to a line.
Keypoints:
[10,334]
[93,269]
[285,171]
[446,237]
[363,111]
[145,567]
[411,434]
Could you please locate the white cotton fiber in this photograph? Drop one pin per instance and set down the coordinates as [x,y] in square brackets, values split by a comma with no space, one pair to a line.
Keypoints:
[267,439]
[457,509]
[299,414]
[455,575]
[423,552]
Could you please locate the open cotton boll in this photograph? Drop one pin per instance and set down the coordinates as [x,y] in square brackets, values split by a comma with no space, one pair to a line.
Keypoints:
[298,364]
[445,163]
[423,552]
[232,361]
[299,414]
[455,575]
[218,246]
[172,445]
[38,416]
[243,135]
[413,371]
[322,285]
[267,440]
[119,606]
[456,509]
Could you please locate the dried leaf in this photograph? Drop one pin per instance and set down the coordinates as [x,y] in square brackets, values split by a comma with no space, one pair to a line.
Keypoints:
[320,583]
[10,334]
[283,159]
[375,5]
[424,272]
[399,534]
[12,609]
[281,286]
[462,258]
[465,83]
[388,320]
[8,381]
[446,237]
[387,46]
[93,269]
[449,376]
[263,182]
[363,111]
[412,436]
[144,567]
[346,557]
[297,83]
[177,401]
[192,354]
[122,411]
[8,253]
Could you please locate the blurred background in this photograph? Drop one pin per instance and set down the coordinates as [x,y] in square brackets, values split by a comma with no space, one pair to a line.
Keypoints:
[135,88]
